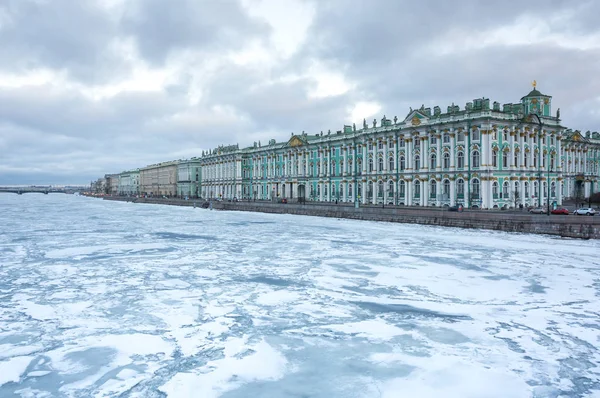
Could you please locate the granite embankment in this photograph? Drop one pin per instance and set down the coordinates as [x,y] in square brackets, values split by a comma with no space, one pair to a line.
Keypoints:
[509,221]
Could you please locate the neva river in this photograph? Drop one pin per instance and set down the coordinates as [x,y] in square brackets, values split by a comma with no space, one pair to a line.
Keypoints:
[111,299]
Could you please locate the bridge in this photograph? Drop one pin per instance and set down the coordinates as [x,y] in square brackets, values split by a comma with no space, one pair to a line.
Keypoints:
[38,189]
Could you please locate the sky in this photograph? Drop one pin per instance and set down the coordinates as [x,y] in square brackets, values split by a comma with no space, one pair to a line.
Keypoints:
[91,87]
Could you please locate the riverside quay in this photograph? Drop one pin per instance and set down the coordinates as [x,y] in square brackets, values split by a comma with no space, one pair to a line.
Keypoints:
[483,156]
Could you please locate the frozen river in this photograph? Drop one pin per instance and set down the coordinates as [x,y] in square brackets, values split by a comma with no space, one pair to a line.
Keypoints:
[111,299]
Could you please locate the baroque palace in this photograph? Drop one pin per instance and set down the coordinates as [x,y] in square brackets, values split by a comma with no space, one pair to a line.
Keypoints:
[485,155]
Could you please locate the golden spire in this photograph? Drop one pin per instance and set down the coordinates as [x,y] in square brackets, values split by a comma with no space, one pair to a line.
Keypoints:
[534,83]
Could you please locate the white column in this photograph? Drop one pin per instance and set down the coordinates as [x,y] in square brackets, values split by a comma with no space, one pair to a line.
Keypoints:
[344,170]
[385,152]
[409,192]
[438,190]
[439,153]
[452,193]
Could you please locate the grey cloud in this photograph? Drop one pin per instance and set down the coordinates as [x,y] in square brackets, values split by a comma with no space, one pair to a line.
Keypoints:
[74,36]
[162,28]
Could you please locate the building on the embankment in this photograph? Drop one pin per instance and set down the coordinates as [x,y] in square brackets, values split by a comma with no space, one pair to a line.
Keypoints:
[485,155]
[129,182]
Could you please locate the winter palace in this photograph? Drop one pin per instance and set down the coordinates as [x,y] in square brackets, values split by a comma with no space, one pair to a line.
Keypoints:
[484,155]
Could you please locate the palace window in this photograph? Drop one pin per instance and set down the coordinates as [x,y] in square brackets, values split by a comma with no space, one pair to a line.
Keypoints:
[325,190]
[341,166]
[475,159]
[432,189]
[446,160]
[433,140]
[446,188]
[391,164]
[370,189]
[553,189]
[432,161]
[402,186]
[495,189]
[551,162]
[359,190]
[475,185]
[505,136]
[526,189]
[505,188]
[495,159]
[504,159]
[380,189]
[350,190]
[494,135]
[391,187]
[359,167]
[460,157]
[460,187]
[401,142]
[417,188]
[446,138]
[535,159]
[333,168]
[370,164]
[380,145]
[476,135]
[402,163]
[417,162]
[461,136]
[380,166]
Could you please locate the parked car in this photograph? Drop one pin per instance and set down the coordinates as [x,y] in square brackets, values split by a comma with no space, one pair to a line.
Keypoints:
[560,210]
[537,210]
[585,211]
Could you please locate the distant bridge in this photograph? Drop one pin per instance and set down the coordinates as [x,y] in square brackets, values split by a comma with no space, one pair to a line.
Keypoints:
[33,189]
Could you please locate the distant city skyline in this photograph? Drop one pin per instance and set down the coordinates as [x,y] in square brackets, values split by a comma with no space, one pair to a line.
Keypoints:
[101,86]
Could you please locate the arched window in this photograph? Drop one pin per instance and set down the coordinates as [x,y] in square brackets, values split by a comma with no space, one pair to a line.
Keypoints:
[460,188]
[432,189]
[359,190]
[475,185]
[417,188]
[446,138]
[341,166]
[535,189]
[380,189]
[460,157]
[333,189]
[495,189]
[495,159]
[402,188]
[505,159]
[391,187]
[380,165]
[432,161]
[526,189]
[391,163]
[417,162]
[370,189]
[325,190]
[359,167]
[402,163]
[446,188]
[349,190]
[551,162]
[370,165]
[318,189]
[333,168]
[475,159]
[505,188]
[446,160]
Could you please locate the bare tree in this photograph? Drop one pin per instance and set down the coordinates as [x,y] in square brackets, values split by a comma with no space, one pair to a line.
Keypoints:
[516,196]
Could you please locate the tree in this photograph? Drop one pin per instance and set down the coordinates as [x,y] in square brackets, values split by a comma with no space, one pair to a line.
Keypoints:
[594,199]
[516,195]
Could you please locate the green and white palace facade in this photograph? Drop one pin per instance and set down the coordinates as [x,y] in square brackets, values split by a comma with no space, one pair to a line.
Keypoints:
[485,155]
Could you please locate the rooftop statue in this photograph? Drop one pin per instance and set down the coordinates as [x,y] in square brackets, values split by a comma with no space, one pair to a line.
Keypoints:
[558,113]
[353,126]
[395,119]
[364,123]
[374,122]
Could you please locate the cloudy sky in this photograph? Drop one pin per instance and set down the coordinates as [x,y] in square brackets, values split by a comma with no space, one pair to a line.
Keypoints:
[89,87]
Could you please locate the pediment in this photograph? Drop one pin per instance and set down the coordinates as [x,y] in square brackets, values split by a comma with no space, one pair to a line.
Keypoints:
[416,118]
[296,141]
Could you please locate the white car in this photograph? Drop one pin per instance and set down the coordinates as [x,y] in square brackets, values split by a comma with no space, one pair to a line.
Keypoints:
[585,211]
